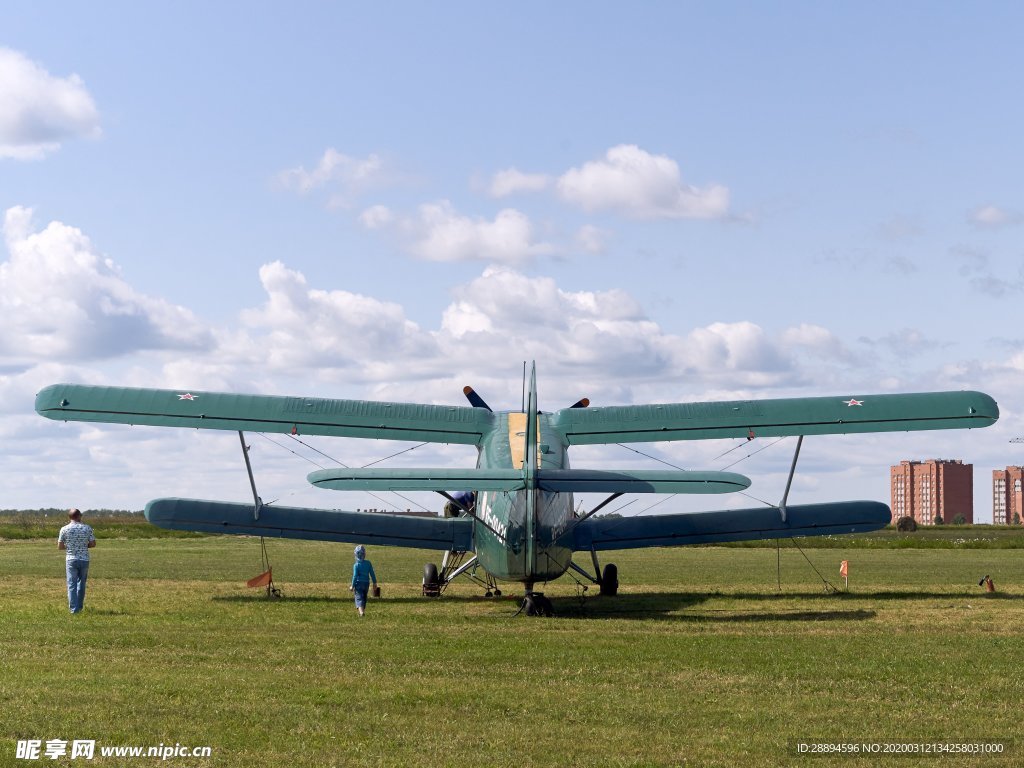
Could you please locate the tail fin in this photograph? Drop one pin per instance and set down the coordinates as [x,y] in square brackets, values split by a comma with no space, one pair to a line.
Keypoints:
[530,452]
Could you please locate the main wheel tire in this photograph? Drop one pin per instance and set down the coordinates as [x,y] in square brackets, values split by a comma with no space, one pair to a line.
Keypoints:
[610,580]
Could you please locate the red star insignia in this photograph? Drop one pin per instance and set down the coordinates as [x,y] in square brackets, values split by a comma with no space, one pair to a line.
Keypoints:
[851,402]
[187,396]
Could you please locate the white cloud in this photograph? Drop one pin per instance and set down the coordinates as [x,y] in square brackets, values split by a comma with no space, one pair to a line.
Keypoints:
[993,217]
[511,181]
[634,183]
[299,327]
[377,217]
[345,175]
[815,339]
[38,111]
[741,353]
[61,299]
[440,233]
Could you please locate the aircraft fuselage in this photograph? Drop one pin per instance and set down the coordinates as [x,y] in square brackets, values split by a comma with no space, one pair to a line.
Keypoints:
[517,533]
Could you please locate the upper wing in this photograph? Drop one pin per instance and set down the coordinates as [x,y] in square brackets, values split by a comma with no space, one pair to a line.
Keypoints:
[264,413]
[770,418]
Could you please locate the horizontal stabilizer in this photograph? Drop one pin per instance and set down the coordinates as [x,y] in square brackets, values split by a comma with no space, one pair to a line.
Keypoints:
[319,524]
[639,481]
[418,479]
[729,525]
[264,413]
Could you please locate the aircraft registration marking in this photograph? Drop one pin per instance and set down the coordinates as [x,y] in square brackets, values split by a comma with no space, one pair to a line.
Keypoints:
[500,527]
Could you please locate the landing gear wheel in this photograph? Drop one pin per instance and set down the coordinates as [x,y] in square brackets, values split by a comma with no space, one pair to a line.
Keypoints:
[497,593]
[610,580]
[431,582]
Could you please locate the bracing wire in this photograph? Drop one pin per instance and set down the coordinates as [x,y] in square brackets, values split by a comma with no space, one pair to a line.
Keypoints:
[649,456]
[753,453]
[829,586]
[730,450]
[293,453]
[343,464]
[652,506]
[399,453]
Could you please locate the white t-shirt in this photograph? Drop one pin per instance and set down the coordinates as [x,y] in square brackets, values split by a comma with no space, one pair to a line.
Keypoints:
[76,537]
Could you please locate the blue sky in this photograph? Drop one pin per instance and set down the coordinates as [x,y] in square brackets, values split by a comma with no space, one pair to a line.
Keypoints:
[663,203]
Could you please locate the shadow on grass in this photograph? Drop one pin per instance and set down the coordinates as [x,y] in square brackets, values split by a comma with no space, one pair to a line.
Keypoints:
[284,598]
[686,606]
[347,598]
[667,606]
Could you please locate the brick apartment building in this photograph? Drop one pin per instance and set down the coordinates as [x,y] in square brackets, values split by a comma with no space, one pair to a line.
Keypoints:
[932,489]
[1007,497]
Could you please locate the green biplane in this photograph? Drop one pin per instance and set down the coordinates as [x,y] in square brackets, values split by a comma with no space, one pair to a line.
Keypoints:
[514,513]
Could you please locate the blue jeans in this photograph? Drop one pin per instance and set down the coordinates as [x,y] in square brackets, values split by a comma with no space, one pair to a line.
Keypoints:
[360,591]
[78,572]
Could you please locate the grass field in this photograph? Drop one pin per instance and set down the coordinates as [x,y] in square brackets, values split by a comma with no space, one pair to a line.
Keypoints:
[702,660]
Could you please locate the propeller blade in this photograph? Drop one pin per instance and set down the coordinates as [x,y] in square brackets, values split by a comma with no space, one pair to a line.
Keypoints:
[474,399]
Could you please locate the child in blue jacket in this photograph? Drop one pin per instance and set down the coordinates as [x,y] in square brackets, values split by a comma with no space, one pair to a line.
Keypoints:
[362,575]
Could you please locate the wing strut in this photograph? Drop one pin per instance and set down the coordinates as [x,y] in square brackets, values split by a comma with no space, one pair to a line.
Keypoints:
[789,482]
[257,501]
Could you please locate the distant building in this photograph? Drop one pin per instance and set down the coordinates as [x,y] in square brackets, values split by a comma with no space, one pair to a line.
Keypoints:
[932,489]
[1007,497]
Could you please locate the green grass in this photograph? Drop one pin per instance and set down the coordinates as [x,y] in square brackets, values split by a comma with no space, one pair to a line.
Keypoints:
[702,660]
[119,524]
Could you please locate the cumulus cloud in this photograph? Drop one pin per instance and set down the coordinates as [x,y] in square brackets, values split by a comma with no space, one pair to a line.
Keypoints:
[815,339]
[993,217]
[61,299]
[510,181]
[604,336]
[440,233]
[40,110]
[635,183]
[345,176]
[742,353]
[302,327]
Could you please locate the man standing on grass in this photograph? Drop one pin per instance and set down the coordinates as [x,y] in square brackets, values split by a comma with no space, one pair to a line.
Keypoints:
[77,539]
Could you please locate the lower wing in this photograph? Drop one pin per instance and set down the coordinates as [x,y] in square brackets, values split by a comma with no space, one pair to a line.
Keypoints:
[730,525]
[320,524]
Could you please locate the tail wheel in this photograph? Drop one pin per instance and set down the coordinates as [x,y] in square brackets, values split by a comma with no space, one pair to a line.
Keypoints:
[610,580]
[431,582]
[536,604]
